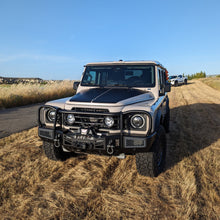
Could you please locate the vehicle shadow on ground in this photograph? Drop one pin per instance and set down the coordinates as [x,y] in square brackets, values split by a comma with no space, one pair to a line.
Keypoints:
[192,128]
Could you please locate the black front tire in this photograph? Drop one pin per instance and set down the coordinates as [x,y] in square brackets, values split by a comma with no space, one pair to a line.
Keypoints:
[185,81]
[176,83]
[153,163]
[53,152]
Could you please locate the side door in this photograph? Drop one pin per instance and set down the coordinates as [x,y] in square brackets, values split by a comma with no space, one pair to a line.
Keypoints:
[180,79]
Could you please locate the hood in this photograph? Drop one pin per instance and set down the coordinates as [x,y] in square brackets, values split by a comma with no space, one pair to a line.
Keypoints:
[122,96]
[60,103]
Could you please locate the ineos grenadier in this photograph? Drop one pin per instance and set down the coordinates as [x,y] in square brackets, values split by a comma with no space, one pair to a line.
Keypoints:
[120,108]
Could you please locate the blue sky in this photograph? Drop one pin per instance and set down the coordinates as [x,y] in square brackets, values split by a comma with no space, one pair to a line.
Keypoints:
[53,39]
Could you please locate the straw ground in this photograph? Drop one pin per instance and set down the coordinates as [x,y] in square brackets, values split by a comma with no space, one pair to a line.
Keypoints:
[97,187]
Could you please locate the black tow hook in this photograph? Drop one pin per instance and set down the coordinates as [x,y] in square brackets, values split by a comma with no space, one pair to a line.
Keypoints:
[110,149]
[57,141]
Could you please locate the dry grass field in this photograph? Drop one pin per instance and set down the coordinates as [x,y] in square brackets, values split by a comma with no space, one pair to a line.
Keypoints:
[96,187]
[22,94]
[214,82]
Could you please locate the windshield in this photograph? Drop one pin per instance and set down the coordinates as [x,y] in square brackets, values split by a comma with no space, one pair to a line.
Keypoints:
[125,76]
[172,77]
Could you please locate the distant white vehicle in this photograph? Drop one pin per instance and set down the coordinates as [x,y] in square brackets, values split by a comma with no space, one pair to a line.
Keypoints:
[177,80]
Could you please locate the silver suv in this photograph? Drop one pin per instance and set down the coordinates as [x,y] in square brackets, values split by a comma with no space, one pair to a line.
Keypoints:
[120,108]
[177,80]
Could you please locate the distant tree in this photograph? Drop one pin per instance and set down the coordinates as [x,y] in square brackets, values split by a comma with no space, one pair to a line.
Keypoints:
[201,74]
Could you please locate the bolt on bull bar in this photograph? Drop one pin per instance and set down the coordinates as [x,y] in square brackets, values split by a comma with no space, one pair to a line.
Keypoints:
[58,111]
[55,131]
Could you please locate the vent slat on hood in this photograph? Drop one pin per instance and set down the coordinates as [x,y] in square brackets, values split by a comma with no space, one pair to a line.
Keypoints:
[93,110]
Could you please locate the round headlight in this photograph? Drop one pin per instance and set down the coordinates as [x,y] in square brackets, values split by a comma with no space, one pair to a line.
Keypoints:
[109,121]
[137,121]
[51,115]
[70,119]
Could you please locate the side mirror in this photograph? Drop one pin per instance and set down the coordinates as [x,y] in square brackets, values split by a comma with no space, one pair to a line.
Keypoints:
[76,84]
[167,87]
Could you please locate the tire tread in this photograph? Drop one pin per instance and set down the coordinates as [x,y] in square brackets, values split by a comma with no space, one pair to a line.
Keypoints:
[52,152]
[146,162]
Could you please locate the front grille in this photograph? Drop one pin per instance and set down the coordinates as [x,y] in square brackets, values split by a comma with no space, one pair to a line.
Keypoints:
[87,120]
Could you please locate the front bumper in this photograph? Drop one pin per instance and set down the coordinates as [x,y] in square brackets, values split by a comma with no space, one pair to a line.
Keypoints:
[89,142]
